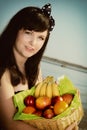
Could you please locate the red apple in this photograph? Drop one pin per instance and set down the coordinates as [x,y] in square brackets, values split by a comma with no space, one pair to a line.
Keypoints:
[38,112]
[56,99]
[48,113]
[42,102]
[29,100]
[67,98]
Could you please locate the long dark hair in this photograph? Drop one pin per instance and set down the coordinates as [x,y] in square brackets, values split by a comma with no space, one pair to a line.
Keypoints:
[31,18]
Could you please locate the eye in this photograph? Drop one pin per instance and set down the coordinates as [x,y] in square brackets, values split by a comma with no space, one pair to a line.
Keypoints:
[28,32]
[42,38]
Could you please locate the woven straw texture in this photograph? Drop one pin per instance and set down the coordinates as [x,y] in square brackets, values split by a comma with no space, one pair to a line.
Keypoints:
[57,124]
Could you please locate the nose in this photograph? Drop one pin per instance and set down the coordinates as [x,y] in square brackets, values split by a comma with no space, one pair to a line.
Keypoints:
[32,41]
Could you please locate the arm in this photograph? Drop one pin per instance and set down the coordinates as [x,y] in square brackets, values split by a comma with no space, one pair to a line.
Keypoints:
[7,109]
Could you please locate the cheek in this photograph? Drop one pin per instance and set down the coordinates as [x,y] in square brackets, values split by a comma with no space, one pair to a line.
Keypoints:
[20,42]
[18,45]
[39,46]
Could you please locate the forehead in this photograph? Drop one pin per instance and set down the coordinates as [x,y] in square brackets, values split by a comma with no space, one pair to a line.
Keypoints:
[44,33]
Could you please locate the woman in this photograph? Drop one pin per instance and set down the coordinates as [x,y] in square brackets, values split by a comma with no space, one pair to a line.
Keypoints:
[22,45]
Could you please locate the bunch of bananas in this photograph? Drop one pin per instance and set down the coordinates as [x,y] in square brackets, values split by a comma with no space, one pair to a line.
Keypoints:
[48,87]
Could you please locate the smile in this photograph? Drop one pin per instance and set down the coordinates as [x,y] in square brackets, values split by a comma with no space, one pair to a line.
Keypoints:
[29,48]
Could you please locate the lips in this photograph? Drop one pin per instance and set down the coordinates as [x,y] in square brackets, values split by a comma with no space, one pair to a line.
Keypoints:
[29,48]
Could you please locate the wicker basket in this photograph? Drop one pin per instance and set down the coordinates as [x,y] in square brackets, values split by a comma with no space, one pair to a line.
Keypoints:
[73,114]
[57,124]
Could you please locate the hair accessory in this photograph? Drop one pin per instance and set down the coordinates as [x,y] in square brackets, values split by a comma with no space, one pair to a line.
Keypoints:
[46,9]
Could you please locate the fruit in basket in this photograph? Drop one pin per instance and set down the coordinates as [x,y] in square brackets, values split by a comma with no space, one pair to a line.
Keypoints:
[56,99]
[68,98]
[43,89]
[29,110]
[29,100]
[49,79]
[49,90]
[55,91]
[59,107]
[37,90]
[48,113]
[41,86]
[38,112]
[48,87]
[42,102]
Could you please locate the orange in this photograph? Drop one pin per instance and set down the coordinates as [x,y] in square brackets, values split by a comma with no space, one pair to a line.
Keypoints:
[29,110]
[42,102]
[59,107]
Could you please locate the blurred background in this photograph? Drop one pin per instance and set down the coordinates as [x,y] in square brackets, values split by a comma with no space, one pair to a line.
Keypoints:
[68,40]
[67,47]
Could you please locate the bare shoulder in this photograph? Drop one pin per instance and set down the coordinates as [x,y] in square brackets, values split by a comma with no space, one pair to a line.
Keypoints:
[5,84]
[5,76]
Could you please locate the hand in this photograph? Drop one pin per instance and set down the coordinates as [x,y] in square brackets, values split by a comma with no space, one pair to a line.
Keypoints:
[73,126]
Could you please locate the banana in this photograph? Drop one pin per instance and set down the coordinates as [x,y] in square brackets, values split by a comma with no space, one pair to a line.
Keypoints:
[49,79]
[49,90]
[48,87]
[43,89]
[55,90]
[37,90]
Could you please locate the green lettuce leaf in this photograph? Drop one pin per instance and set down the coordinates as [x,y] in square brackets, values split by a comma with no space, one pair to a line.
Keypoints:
[66,85]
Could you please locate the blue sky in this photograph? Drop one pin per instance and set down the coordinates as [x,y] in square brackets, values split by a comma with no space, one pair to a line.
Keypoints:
[68,40]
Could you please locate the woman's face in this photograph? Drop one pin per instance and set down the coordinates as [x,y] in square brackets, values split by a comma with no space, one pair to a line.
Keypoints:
[28,43]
